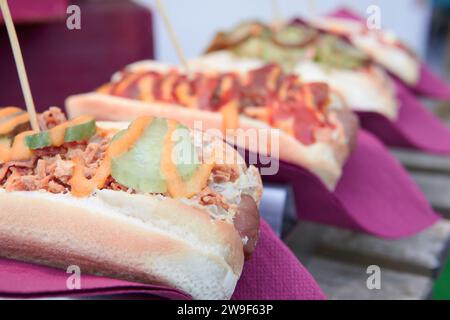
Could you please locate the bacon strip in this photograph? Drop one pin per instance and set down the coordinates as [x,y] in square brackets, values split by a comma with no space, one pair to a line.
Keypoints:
[299,106]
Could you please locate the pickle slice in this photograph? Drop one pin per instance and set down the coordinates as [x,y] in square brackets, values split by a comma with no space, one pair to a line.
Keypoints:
[38,140]
[294,36]
[336,53]
[76,131]
[140,167]
[244,31]
[185,153]
[80,132]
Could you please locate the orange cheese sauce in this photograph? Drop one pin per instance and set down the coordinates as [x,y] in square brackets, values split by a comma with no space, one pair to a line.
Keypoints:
[183,94]
[176,187]
[230,116]
[58,133]
[18,151]
[8,111]
[9,125]
[82,186]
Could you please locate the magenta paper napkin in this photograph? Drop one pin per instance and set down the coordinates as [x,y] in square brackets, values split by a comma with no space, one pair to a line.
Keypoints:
[415,127]
[429,84]
[375,194]
[272,273]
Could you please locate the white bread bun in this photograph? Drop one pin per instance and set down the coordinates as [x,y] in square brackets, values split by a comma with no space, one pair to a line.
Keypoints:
[364,89]
[144,238]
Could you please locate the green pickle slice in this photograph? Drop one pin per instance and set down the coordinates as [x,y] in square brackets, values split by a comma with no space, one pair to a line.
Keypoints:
[76,132]
[140,167]
[38,140]
[185,153]
[294,36]
[336,53]
[80,132]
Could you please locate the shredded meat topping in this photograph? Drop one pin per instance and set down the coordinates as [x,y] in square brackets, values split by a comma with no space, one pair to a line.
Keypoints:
[112,184]
[51,118]
[51,168]
[210,197]
[225,173]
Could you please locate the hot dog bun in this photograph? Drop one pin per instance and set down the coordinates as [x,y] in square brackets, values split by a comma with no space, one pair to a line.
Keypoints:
[146,238]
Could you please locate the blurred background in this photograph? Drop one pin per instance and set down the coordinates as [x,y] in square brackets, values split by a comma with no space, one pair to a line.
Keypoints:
[422,24]
[198,20]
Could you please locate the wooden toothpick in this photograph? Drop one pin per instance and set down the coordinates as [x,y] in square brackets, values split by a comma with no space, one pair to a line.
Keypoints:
[172,35]
[19,64]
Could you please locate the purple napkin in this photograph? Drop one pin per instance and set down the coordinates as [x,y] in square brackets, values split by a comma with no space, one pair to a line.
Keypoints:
[375,194]
[272,273]
[429,83]
[415,127]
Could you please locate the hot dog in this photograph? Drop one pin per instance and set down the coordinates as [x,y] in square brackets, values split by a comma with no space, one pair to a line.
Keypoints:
[310,131]
[149,201]
[316,55]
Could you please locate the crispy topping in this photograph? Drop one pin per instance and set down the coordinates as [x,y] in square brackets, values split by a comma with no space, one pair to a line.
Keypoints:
[51,118]
[81,167]
[209,197]
[225,173]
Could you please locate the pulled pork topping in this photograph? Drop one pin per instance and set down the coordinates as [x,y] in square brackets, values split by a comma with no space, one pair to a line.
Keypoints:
[51,168]
[209,197]
[225,173]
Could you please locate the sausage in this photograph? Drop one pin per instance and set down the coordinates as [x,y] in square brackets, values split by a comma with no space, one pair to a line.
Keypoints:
[246,223]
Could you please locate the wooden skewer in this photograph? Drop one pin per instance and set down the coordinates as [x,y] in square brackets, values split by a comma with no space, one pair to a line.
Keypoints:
[19,64]
[173,36]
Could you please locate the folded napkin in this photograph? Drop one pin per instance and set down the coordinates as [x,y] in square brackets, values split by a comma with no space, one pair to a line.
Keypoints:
[430,84]
[375,194]
[272,273]
[415,128]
